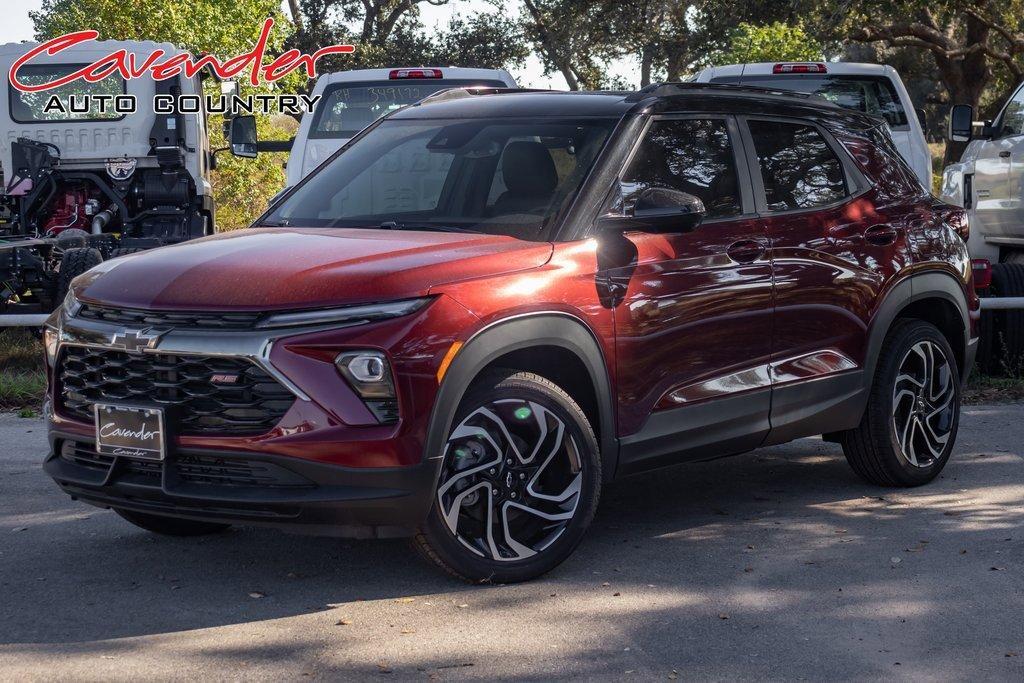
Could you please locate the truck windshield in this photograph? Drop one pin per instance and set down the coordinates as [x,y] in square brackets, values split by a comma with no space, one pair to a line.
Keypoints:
[498,176]
[347,108]
[30,107]
[869,94]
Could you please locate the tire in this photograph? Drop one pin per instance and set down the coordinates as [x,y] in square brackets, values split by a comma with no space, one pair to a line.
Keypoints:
[171,526]
[892,447]
[523,409]
[123,251]
[1008,338]
[73,263]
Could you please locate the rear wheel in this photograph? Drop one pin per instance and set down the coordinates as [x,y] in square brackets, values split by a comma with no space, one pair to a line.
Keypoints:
[1007,325]
[171,526]
[909,428]
[123,251]
[519,484]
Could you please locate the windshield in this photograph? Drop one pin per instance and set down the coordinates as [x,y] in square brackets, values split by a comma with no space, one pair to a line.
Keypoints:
[498,176]
[869,94]
[28,107]
[347,108]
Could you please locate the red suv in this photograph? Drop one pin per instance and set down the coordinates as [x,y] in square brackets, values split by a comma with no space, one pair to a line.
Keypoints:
[491,303]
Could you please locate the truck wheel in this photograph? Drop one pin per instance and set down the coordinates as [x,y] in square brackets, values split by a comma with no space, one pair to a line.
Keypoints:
[910,424]
[73,263]
[519,484]
[170,526]
[1008,340]
[123,251]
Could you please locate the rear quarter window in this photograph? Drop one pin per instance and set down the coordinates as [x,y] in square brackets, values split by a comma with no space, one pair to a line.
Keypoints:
[877,157]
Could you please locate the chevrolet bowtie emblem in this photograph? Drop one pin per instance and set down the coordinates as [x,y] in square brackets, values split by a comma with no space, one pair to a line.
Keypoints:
[135,341]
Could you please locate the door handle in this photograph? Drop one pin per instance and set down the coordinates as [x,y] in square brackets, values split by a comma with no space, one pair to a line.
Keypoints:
[745,251]
[881,235]
[1005,154]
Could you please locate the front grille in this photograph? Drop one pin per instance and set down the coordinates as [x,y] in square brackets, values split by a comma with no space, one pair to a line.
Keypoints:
[191,468]
[128,317]
[253,403]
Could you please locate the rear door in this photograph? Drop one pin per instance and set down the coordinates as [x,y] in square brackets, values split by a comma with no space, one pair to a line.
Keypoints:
[830,254]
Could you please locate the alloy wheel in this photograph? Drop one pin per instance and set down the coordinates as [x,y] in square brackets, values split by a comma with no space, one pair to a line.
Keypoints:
[924,404]
[511,480]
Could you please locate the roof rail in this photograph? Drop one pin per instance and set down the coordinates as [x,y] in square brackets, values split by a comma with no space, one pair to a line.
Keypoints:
[462,92]
[679,88]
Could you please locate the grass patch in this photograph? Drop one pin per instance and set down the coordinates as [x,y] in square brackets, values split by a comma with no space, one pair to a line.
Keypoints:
[22,373]
[989,389]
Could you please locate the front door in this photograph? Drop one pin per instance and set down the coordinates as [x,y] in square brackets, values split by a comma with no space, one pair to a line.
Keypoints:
[693,321]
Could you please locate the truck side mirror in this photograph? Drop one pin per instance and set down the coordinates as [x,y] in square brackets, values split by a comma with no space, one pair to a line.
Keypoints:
[243,138]
[961,123]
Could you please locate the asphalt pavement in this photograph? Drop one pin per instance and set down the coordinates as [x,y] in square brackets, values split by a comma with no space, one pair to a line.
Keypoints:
[779,564]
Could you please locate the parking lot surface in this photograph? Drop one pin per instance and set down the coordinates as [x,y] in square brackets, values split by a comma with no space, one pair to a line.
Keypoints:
[779,564]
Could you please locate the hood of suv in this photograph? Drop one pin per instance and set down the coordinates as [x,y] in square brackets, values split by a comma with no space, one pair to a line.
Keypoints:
[294,268]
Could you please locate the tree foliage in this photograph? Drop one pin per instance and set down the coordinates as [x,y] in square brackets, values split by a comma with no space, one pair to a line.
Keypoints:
[774,42]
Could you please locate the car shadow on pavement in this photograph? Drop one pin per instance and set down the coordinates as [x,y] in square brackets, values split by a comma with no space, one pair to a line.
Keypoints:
[755,551]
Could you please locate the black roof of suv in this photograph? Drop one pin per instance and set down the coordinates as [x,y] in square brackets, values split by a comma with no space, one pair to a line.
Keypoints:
[661,97]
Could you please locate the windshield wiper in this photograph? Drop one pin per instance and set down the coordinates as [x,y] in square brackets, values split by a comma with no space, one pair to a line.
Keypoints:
[432,227]
[283,223]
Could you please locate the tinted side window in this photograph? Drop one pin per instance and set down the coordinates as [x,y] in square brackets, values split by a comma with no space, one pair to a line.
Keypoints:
[690,155]
[798,167]
[1013,115]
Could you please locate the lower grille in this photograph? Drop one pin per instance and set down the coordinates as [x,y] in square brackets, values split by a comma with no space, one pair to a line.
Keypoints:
[244,400]
[190,468]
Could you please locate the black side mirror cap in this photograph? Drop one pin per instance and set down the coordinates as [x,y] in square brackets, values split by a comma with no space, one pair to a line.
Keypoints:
[961,123]
[658,210]
[242,136]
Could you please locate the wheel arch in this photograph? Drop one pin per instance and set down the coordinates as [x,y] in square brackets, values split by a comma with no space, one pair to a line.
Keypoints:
[935,297]
[546,343]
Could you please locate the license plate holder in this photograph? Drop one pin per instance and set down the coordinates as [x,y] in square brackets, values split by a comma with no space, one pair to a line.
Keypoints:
[130,432]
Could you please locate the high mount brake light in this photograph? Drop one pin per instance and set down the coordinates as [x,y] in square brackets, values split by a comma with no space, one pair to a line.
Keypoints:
[398,74]
[800,68]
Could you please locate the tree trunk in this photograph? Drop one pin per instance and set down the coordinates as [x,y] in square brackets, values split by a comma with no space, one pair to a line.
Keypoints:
[293,7]
[965,78]
[646,61]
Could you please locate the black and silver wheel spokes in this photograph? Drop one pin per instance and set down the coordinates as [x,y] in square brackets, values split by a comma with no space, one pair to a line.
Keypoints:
[511,479]
[923,403]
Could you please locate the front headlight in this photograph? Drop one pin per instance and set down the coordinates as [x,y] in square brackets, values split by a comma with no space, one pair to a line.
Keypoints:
[71,304]
[51,339]
[346,316]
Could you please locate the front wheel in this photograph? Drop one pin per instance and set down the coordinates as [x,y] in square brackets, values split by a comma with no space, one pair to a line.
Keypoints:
[519,484]
[909,428]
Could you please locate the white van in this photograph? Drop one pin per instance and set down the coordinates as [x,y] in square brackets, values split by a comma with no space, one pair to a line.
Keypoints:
[872,88]
[351,100]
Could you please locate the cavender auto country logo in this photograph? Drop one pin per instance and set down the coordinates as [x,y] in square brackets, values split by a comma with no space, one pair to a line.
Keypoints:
[159,65]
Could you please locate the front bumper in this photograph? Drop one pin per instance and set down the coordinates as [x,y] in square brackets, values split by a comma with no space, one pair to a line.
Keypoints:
[248,488]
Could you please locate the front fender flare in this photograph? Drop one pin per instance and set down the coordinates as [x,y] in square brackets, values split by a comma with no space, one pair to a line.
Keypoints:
[512,334]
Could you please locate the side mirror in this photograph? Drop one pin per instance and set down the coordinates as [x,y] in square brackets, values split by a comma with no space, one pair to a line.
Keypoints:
[658,209]
[961,123]
[243,137]
[922,117]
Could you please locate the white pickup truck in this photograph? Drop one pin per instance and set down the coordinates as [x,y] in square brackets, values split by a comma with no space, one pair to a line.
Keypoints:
[351,100]
[988,181]
[871,88]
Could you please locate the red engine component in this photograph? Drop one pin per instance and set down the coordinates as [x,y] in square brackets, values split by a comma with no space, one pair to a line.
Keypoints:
[72,209]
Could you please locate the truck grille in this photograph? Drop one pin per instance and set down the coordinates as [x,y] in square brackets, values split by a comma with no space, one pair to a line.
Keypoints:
[244,320]
[245,400]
